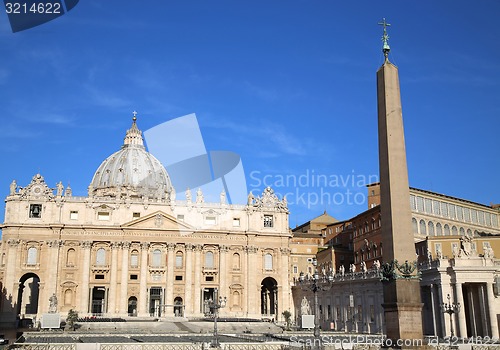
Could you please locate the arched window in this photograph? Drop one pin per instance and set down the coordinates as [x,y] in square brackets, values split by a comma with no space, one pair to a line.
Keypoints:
[32,256]
[134,258]
[462,231]
[439,229]
[70,257]
[100,257]
[431,228]
[414,225]
[68,297]
[446,230]
[209,259]
[236,261]
[423,227]
[268,262]
[454,231]
[156,260]
[179,260]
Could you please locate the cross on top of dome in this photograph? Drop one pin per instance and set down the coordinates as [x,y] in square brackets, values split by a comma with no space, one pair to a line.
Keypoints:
[134,135]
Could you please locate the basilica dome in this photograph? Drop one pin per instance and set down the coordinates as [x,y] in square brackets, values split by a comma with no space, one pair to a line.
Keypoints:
[131,172]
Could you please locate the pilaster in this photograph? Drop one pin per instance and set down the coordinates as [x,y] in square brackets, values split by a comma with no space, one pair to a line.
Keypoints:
[197,279]
[461,326]
[124,279]
[112,293]
[143,287]
[84,299]
[491,311]
[188,300]
[169,311]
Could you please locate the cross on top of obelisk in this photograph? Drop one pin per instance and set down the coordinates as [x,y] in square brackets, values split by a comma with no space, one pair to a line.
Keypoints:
[134,118]
[385,38]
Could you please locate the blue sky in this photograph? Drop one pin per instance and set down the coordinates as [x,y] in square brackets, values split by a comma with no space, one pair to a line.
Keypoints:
[288,85]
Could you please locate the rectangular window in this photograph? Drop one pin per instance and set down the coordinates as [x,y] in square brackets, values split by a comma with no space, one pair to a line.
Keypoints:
[268,221]
[35,211]
[178,278]
[155,291]
[136,215]
[444,209]
[413,202]
[103,216]
[210,220]
[178,261]
[438,248]
[474,216]
[209,278]
[436,209]
[466,214]
[236,222]
[180,218]
[295,269]
[420,204]
[133,277]
[428,206]
[73,215]
[32,256]
[99,277]
[451,211]
[134,260]
[268,262]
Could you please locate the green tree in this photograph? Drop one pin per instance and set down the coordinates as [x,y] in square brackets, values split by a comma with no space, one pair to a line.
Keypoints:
[287,315]
[72,318]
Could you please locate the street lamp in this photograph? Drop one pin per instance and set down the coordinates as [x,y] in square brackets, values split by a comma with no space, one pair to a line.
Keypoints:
[315,285]
[450,309]
[218,303]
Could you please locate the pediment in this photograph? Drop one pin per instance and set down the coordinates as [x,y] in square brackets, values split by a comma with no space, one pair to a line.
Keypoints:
[159,220]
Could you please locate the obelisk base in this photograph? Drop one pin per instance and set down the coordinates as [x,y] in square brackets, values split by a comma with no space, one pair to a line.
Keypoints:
[403,309]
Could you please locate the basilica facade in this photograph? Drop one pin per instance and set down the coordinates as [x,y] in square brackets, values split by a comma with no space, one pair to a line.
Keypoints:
[131,248]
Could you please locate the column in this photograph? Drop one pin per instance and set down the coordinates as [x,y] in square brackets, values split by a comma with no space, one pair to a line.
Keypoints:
[253,291]
[440,315]
[169,301]
[84,297]
[223,290]
[124,280]
[143,286]
[286,294]
[113,272]
[10,276]
[197,279]
[491,311]
[188,291]
[461,327]
[433,310]
[51,278]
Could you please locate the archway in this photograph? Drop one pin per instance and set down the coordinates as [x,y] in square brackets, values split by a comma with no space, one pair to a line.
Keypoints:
[132,306]
[269,297]
[28,293]
[178,307]
[98,301]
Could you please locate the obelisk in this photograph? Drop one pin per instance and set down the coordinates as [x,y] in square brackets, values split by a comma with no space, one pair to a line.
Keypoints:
[402,302]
